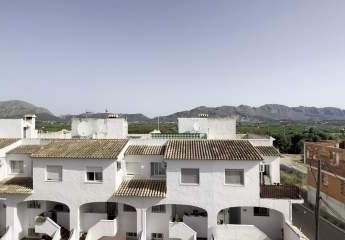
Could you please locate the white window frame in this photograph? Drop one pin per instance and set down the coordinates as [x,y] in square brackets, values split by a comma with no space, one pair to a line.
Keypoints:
[157,166]
[234,184]
[91,169]
[53,180]
[190,184]
[11,169]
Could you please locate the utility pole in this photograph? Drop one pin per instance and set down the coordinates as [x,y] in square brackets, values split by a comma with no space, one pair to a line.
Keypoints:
[317,200]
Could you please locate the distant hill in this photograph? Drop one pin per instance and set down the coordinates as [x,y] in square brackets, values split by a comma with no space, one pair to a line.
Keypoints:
[17,109]
[268,112]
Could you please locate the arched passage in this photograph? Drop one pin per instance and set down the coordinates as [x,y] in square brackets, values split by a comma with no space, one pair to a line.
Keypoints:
[269,221]
[170,220]
[115,219]
[33,214]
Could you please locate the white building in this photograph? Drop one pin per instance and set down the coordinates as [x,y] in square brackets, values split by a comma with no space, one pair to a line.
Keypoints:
[19,128]
[143,189]
[100,128]
[213,128]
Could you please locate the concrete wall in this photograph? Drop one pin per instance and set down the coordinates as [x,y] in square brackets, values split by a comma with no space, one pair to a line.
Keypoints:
[192,125]
[127,222]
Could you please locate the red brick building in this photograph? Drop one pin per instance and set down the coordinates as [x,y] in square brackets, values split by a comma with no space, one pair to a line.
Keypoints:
[332,156]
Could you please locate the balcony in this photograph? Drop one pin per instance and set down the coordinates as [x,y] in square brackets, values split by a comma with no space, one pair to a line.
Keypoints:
[103,228]
[280,192]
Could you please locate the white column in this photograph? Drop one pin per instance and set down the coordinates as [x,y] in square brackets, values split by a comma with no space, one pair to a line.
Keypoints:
[12,220]
[211,223]
[74,220]
[141,222]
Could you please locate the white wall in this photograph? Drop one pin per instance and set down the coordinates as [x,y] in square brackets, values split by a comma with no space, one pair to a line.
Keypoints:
[3,163]
[87,220]
[192,125]
[110,128]
[142,163]
[19,157]
[272,225]
[212,181]
[158,222]
[11,128]
[274,163]
[221,128]
[127,222]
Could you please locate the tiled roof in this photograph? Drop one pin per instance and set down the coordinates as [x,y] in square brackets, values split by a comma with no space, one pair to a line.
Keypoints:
[268,151]
[4,142]
[280,191]
[82,148]
[211,150]
[142,188]
[16,185]
[25,149]
[145,150]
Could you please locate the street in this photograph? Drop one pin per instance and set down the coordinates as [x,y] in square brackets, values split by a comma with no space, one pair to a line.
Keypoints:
[304,219]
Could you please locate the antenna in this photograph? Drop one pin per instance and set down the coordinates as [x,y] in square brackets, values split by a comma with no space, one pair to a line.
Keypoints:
[158,122]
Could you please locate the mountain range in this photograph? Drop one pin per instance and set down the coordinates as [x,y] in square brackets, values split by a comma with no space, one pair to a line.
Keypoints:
[268,112]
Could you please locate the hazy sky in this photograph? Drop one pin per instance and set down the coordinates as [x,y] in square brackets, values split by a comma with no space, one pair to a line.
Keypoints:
[161,56]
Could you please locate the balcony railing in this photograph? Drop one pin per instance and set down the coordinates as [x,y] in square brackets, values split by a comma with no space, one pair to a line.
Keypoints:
[280,192]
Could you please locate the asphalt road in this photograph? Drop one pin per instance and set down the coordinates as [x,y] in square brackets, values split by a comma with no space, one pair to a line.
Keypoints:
[304,219]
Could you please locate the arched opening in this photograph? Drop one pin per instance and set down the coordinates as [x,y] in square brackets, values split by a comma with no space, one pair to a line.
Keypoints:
[175,221]
[111,219]
[44,219]
[259,220]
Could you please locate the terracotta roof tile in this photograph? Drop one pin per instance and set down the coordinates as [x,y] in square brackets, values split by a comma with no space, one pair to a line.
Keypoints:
[145,150]
[268,151]
[142,188]
[25,149]
[82,148]
[211,150]
[16,185]
[4,142]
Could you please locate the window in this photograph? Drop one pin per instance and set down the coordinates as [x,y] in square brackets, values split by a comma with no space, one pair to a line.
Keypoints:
[156,236]
[34,204]
[234,176]
[131,235]
[190,175]
[158,169]
[94,174]
[17,167]
[342,187]
[54,173]
[158,209]
[118,165]
[262,212]
[335,158]
[128,208]
[324,179]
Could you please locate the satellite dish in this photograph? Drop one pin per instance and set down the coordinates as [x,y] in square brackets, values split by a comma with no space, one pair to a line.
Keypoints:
[196,126]
[84,129]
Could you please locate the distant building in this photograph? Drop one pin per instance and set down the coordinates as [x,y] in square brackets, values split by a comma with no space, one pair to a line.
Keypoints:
[332,156]
[213,128]
[19,128]
[100,128]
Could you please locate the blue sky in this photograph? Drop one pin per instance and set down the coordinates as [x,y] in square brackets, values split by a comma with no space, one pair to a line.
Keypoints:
[157,56]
